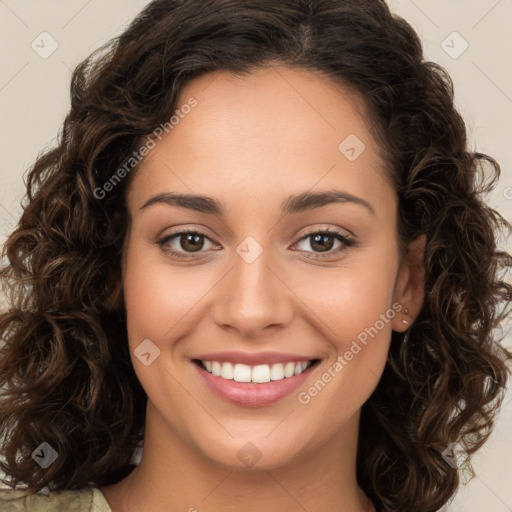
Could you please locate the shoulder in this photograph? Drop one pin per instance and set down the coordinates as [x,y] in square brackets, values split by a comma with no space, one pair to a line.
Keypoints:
[88,499]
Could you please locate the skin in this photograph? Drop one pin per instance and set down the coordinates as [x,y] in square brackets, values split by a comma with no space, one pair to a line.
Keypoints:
[251,142]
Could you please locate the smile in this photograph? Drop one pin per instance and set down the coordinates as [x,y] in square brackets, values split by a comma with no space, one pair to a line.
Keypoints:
[253,385]
[260,373]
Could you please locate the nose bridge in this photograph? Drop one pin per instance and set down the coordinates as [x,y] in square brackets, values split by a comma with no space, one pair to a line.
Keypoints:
[252,297]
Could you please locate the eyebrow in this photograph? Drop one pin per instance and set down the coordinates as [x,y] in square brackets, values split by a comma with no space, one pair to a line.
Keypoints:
[294,204]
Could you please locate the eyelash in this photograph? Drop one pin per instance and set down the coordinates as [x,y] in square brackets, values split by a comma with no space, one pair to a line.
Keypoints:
[345,240]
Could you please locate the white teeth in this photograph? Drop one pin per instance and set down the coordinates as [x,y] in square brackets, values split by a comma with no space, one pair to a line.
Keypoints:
[289,369]
[226,371]
[241,373]
[277,372]
[260,373]
[216,368]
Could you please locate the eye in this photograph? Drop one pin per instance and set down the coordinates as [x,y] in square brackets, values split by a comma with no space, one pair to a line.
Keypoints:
[184,242]
[324,241]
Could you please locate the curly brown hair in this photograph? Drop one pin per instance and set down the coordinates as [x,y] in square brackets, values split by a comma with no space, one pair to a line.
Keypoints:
[65,368]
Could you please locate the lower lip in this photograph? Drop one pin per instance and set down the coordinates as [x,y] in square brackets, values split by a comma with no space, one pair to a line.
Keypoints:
[251,394]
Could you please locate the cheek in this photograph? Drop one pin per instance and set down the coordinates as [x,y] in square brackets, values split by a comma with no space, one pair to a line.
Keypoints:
[354,309]
[362,331]
[350,298]
[157,296]
[157,302]
[358,350]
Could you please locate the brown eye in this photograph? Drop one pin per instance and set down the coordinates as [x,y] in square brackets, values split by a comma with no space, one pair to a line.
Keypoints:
[191,242]
[184,243]
[324,242]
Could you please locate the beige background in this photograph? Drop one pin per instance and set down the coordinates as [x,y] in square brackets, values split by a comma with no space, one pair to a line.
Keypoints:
[34,99]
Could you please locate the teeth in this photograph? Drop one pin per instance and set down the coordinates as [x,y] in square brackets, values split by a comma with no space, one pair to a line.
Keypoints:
[216,367]
[260,373]
[289,369]
[226,371]
[241,372]
[277,372]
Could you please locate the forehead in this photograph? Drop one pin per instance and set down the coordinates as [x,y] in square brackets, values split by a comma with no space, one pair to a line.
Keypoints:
[273,128]
[275,104]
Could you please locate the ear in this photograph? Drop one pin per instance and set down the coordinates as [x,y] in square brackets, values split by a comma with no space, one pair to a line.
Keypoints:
[410,285]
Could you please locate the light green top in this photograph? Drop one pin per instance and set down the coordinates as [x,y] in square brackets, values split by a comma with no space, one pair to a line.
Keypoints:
[89,499]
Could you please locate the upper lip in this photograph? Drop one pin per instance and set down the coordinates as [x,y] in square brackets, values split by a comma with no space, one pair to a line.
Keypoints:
[252,359]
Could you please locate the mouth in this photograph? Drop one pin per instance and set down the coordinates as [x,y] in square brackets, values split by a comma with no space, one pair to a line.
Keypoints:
[254,385]
[260,374]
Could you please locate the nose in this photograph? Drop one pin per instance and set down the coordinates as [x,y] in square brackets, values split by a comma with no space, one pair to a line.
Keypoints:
[253,298]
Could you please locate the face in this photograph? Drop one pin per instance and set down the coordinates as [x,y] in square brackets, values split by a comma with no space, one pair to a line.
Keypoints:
[292,257]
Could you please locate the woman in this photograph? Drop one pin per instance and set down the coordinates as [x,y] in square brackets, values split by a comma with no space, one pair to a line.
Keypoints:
[260,249]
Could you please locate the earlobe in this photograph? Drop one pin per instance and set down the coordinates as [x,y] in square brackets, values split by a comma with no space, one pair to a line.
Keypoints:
[410,287]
